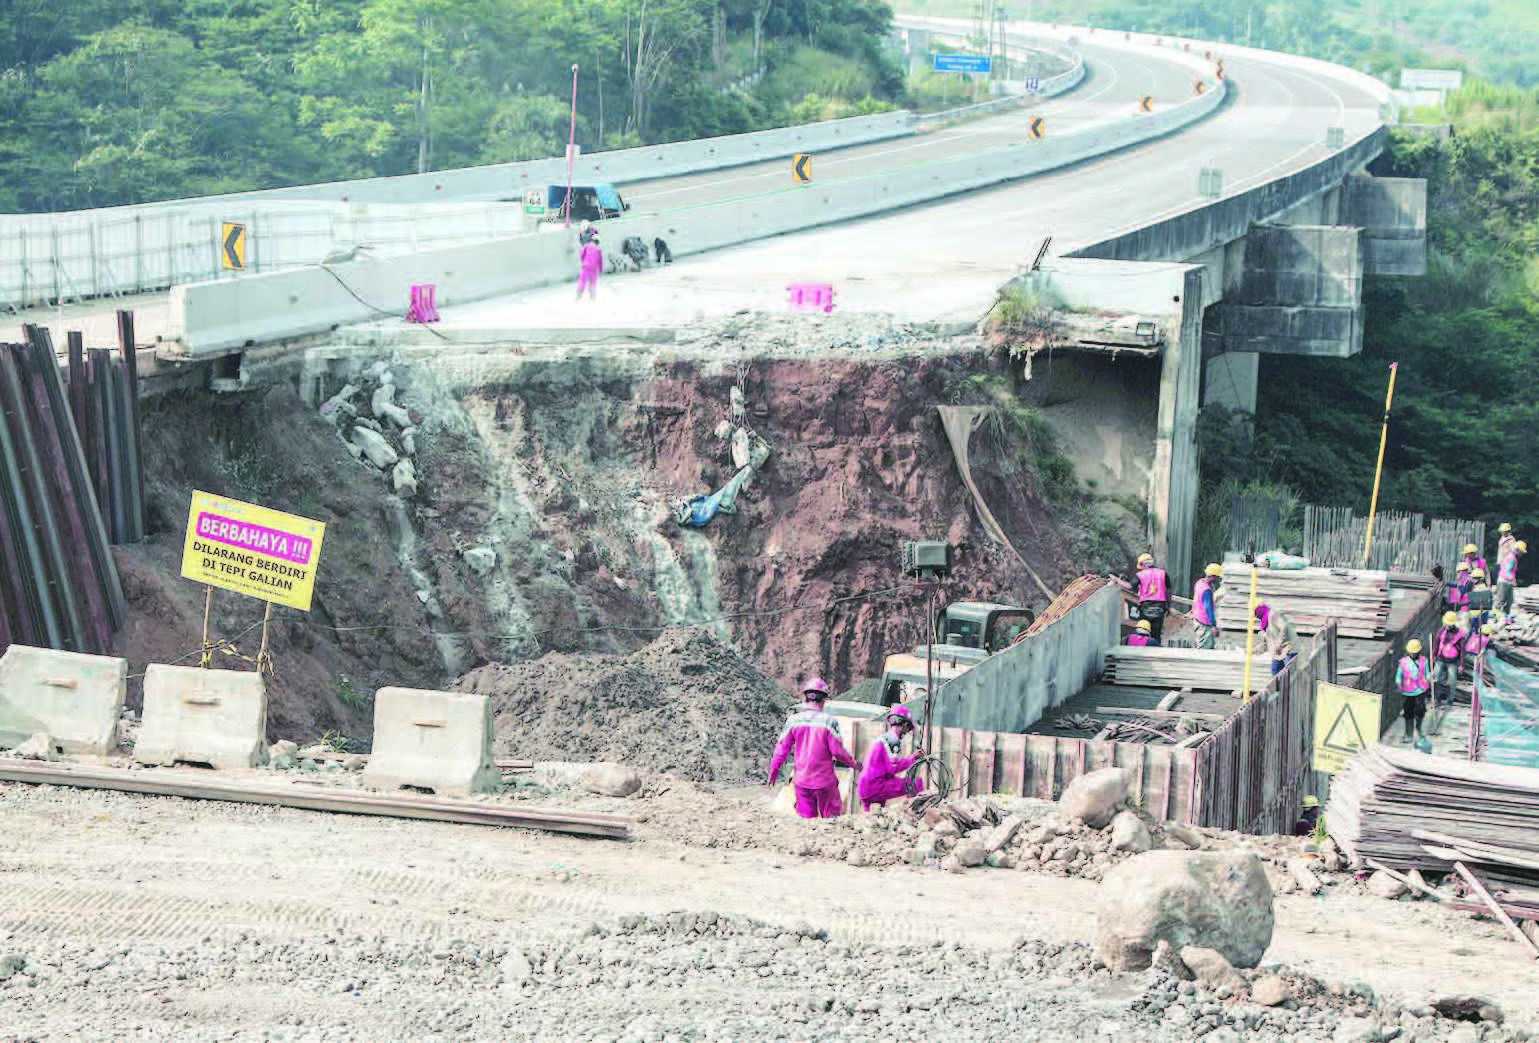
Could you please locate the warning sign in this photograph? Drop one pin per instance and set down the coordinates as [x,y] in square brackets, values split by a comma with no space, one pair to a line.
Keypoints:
[232,255]
[1346,720]
[261,553]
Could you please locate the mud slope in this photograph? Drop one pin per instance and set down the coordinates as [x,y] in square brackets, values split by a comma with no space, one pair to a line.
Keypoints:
[367,627]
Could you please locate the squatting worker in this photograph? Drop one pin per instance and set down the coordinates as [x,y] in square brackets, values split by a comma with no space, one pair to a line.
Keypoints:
[1141,637]
[1413,682]
[1447,651]
[1153,594]
[1475,647]
[884,776]
[591,263]
[811,739]
[1205,606]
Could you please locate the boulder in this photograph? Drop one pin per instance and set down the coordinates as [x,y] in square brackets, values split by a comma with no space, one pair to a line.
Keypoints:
[1128,833]
[281,755]
[374,447]
[970,852]
[1270,991]
[1468,1008]
[611,780]
[1096,795]
[1179,836]
[1210,968]
[1003,833]
[1216,900]
[480,559]
[1386,886]
[1304,876]
[40,747]
[404,479]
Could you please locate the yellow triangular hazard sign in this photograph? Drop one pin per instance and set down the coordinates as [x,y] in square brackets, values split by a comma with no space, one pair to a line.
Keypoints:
[1350,738]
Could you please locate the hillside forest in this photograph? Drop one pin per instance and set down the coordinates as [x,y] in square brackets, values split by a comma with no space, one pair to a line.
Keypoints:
[115,101]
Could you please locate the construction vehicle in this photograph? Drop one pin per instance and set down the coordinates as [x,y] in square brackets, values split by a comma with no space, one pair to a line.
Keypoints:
[595,202]
[970,632]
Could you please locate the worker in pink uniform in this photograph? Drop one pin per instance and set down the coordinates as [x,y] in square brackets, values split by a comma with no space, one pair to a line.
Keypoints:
[1475,647]
[811,739]
[1153,594]
[591,261]
[884,777]
[1141,637]
[1205,606]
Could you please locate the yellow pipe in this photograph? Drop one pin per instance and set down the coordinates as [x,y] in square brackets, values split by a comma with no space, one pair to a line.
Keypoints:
[1378,471]
[1250,634]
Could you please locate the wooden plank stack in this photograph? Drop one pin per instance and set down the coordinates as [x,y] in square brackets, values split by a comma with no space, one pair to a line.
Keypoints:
[1410,810]
[1309,597]
[1219,670]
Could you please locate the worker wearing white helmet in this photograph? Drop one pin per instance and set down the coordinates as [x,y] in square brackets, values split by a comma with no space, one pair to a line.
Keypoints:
[811,737]
[1413,681]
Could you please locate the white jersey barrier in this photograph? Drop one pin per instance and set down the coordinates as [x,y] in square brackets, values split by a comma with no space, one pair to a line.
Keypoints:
[75,698]
[214,717]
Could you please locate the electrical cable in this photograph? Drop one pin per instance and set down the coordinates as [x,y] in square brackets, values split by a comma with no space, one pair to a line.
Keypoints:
[374,307]
[939,778]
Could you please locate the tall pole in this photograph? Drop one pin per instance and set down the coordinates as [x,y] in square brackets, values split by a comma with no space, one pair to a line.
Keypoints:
[929,663]
[571,151]
[1378,471]
[1250,634]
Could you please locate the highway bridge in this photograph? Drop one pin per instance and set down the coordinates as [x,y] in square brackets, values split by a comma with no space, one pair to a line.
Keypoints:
[1234,219]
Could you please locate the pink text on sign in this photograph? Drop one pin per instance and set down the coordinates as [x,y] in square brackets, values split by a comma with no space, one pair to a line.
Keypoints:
[258,538]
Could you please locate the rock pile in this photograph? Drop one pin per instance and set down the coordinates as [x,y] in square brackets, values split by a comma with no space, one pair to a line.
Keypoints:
[380,433]
[686,704]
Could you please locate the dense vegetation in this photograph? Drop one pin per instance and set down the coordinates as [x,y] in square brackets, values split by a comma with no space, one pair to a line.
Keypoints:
[111,102]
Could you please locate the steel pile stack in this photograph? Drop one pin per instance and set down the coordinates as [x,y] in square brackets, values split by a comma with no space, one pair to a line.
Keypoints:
[1309,597]
[59,586]
[1209,669]
[1409,810]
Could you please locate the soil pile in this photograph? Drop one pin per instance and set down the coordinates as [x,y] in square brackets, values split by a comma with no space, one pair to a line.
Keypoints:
[685,704]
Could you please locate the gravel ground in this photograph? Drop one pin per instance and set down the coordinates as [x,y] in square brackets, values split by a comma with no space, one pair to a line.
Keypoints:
[129,917]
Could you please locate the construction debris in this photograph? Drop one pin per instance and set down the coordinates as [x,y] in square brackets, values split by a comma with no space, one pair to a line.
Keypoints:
[1309,598]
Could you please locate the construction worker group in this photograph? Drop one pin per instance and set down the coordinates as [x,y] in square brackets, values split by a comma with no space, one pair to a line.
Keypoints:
[811,739]
[1473,615]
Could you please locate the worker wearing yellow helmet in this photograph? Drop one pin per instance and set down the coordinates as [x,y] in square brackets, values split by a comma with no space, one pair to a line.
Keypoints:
[1475,647]
[1447,655]
[1507,578]
[1472,557]
[1505,538]
[1142,636]
[1413,682]
[1477,600]
[1205,606]
[1153,594]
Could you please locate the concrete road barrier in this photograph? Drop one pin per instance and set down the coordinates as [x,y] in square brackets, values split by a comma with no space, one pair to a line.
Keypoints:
[76,698]
[214,717]
[439,741]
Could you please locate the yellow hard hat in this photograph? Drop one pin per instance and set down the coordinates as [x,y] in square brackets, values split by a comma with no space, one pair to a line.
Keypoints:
[1478,574]
[1145,626]
[1522,546]
[1504,527]
[1213,570]
[1146,559]
[1413,646]
[1470,548]
[1311,801]
[1450,618]
[1488,629]
[1464,566]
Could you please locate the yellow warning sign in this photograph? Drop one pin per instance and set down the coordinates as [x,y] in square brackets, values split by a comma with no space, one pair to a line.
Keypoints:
[801,168]
[232,242]
[261,553]
[1346,720]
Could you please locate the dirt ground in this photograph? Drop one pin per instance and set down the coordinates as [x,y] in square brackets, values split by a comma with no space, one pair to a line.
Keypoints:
[138,917]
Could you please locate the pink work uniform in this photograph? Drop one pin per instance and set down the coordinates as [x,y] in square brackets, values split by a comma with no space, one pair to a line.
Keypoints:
[811,740]
[882,779]
[592,263]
